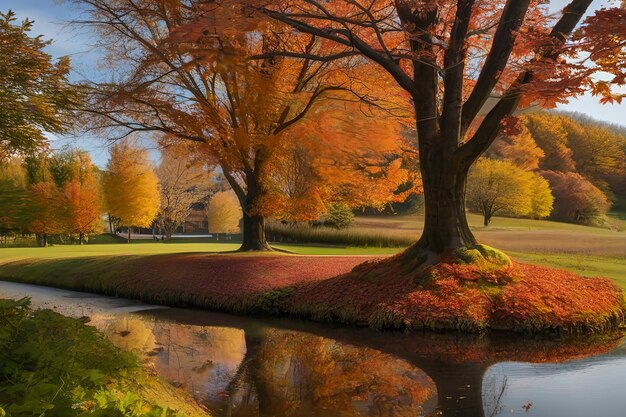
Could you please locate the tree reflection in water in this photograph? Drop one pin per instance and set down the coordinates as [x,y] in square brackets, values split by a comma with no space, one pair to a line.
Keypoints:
[299,374]
[247,368]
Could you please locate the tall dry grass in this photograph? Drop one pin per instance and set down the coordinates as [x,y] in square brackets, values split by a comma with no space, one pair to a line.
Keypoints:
[363,237]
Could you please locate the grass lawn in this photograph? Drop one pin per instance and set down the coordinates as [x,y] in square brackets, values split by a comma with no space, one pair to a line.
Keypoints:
[101,255]
[114,249]
[414,222]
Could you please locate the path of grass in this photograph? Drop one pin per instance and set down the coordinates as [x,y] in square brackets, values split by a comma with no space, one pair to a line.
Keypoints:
[318,287]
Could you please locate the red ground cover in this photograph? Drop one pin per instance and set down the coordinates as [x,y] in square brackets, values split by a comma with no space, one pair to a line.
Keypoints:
[228,281]
[386,294]
[449,297]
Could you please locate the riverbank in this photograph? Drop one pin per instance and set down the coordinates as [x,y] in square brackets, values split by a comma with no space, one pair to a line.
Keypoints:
[321,288]
[78,371]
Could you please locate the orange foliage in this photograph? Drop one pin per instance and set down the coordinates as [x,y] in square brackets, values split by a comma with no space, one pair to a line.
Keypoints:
[603,37]
[341,155]
[45,209]
[83,204]
[196,82]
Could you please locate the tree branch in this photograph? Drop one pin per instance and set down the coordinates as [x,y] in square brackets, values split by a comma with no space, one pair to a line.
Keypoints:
[490,127]
[497,59]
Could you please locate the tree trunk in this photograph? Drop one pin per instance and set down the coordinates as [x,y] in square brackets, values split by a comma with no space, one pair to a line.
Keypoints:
[487,220]
[81,238]
[45,240]
[254,233]
[129,231]
[253,224]
[169,228]
[445,224]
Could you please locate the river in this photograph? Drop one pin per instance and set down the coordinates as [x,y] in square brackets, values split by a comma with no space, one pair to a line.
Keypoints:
[239,366]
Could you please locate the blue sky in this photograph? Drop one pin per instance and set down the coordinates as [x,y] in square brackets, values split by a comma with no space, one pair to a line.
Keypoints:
[50,15]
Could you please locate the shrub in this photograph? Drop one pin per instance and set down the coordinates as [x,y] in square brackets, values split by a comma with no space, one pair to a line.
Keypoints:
[273,302]
[338,216]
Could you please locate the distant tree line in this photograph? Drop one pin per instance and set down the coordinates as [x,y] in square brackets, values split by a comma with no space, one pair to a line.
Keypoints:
[50,194]
[584,162]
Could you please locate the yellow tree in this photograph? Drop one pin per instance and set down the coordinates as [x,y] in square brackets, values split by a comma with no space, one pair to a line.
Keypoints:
[500,187]
[13,196]
[223,213]
[130,186]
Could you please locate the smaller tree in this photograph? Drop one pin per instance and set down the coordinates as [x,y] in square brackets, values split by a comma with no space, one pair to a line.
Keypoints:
[46,212]
[500,187]
[223,213]
[130,186]
[83,204]
[182,184]
[577,200]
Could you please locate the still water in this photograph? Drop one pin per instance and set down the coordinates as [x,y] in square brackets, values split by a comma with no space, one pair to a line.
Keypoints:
[245,367]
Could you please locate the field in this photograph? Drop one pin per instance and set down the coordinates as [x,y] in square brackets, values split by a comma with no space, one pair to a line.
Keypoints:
[585,250]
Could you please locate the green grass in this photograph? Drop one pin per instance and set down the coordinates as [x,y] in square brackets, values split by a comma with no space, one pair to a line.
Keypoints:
[157,248]
[414,222]
[113,249]
[78,371]
[590,266]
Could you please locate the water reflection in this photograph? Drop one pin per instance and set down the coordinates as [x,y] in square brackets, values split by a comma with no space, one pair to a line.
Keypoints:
[286,371]
[299,374]
[243,367]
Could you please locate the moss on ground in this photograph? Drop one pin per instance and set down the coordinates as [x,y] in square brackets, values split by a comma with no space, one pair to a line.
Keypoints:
[482,253]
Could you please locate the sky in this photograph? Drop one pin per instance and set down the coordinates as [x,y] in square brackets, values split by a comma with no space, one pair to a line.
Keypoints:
[50,17]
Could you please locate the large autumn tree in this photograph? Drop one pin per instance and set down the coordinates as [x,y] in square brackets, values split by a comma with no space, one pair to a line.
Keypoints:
[465,66]
[184,71]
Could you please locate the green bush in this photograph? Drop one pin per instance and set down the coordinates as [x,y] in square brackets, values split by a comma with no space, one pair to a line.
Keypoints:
[273,302]
[338,216]
[52,365]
